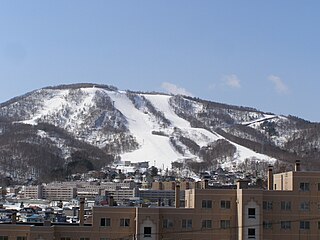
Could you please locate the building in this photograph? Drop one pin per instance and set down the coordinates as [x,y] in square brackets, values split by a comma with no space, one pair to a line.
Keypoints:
[66,191]
[288,209]
[50,192]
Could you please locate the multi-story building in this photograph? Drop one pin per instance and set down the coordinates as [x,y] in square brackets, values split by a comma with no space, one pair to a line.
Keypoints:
[50,192]
[59,193]
[66,191]
[34,192]
[287,209]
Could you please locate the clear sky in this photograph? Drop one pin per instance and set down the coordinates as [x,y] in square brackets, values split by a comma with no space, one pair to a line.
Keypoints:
[261,54]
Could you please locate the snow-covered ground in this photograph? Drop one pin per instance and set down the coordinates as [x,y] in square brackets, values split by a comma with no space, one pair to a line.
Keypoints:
[264,118]
[157,149]
[153,148]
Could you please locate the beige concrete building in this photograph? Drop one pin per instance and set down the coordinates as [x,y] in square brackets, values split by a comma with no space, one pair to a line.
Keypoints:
[288,209]
[50,192]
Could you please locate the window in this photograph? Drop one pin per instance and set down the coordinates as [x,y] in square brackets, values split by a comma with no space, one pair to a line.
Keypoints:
[104,238]
[304,225]
[251,212]
[206,204]
[319,225]
[224,224]
[25,238]
[63,238]
[251,233]
[167,223]
[206,224]
[285,224]
[4,237]
[267,224]
[105,222]
[225,204]
[187,223]
[305,206]
[124,222]
[286,205]
[267,205]
[84,238]
[304,186]
[147,232]
[318,186]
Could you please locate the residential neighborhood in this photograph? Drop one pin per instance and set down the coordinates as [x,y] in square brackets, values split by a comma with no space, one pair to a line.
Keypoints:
[286,207]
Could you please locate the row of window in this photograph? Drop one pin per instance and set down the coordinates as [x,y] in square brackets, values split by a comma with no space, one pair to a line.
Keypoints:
[267,205]
[305,225]
[287,225]
[225,204]
[305,186]
[166,223]
[106,222]
[18,238]
[187,223]
[86,238]
[286,205]
[62,238]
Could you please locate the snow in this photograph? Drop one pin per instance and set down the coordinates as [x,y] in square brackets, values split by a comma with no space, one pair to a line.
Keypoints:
[49,106]
[153,148]
[201,136]
[161,102]
[157,149]
[266,117]
[58,101]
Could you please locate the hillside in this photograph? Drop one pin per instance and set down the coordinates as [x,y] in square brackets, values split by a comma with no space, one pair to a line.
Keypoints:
[48,132]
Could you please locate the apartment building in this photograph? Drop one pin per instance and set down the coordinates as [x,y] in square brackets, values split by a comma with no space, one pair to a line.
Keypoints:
[68,190]
[50,192]
[34,192]
[288,209]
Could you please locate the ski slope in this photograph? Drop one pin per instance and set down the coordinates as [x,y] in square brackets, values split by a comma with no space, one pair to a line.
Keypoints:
[157,149]
[153,148]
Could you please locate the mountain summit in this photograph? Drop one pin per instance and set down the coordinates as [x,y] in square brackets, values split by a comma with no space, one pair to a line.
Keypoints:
[57,130]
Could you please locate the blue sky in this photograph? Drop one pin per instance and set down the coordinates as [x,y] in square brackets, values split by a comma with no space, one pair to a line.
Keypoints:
[261,54]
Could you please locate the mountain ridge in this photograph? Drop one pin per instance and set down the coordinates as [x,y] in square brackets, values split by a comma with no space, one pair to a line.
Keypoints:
[155,127]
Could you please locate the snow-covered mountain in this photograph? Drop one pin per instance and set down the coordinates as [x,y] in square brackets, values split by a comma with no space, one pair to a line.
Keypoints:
[159,128]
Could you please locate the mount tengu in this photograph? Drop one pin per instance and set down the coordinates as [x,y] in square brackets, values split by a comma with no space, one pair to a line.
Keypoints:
[52,132]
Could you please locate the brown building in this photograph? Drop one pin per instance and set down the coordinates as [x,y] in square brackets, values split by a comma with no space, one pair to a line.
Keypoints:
[288,209]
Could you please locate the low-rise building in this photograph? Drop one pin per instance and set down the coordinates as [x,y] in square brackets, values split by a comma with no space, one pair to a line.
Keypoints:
[287,209]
